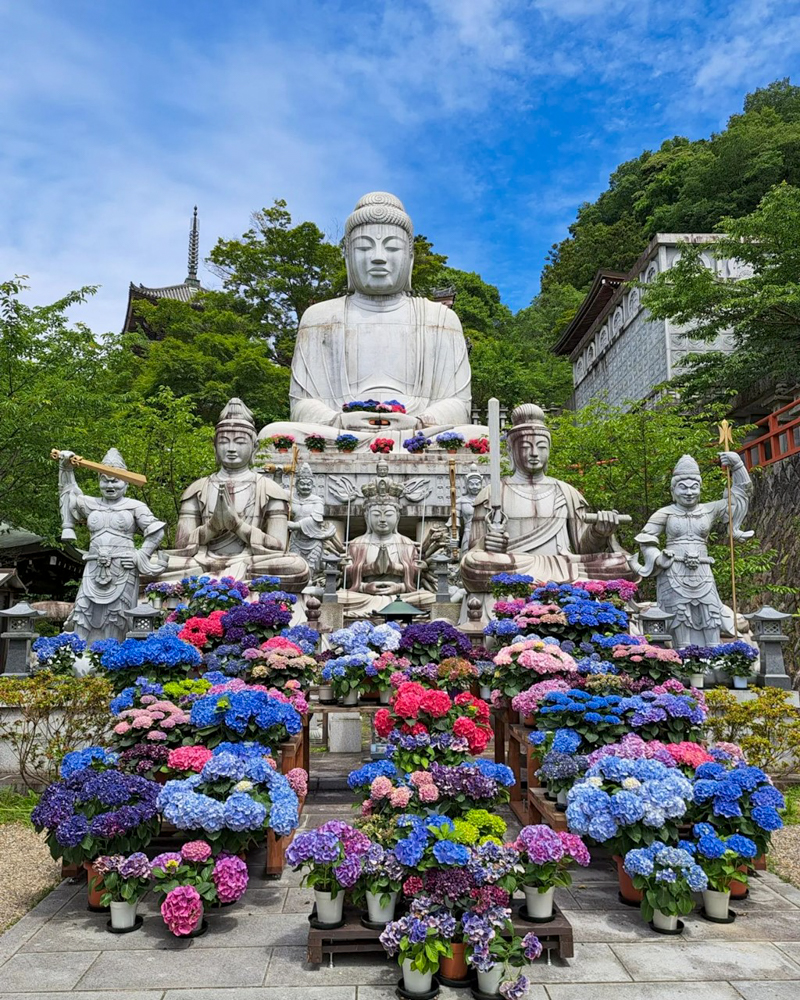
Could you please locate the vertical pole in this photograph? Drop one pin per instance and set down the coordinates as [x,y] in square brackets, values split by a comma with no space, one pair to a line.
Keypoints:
[726,441]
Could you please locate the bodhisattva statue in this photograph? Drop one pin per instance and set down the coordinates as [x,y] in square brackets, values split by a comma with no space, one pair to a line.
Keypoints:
[110,584]
[308,531]
[684,581]
[234,522]
[384,565]
[378,342]
[547,531]
[465,504]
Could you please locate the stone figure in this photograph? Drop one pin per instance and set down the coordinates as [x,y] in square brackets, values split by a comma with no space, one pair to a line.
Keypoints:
[465,504]
[308,531]
[234,522]
[546,530]
[378,342]
[109,587]
[684,581]
[383,564]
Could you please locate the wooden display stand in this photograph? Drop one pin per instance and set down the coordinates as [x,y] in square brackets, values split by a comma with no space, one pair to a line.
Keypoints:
[293,753]
[353,938]
[541,810]
[517,742]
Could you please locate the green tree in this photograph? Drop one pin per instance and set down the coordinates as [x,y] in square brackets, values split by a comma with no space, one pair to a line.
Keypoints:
[761,312]
[279,270]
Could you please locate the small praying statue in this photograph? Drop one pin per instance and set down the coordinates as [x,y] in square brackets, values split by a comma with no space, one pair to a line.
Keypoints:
[465,504]
[685,584]
[110,584]
[308,531]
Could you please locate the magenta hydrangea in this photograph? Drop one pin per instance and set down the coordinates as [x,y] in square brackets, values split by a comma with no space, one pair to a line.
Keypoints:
[196,850]
[230,877]
[182,910]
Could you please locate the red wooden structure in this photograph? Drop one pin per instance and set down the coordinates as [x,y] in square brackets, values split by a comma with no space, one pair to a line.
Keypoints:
[779,437]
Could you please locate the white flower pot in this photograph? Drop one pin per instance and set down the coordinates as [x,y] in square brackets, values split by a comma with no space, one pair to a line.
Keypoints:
[486,692]
[561,798]
[489,982]
[538,904]
[123,915]
[697,680]
[380,914]
[156,600]
[740,683]
[664,922]
[416,982]
[329,911]
[716,903]
[384,695]
[351,698]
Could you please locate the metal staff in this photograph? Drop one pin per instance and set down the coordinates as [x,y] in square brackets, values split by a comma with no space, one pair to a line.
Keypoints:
[726,441]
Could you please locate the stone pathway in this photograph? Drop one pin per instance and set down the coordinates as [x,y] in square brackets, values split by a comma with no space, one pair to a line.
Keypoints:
[256,950]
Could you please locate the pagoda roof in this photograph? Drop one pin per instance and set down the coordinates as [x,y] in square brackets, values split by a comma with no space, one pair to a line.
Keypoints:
[184,292]
[600,293]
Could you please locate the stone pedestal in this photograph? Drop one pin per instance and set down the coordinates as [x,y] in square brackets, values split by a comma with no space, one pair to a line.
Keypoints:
[331,617]
[447,610]
[768,633]
[344,732]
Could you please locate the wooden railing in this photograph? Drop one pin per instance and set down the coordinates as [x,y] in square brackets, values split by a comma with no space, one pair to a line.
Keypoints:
[779,438]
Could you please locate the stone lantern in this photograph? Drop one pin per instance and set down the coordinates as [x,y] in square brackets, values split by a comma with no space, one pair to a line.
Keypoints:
[655,624]
[144,618]
[19,632]
[767,625]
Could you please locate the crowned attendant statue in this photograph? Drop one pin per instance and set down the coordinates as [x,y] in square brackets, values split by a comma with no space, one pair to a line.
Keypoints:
[684,580]
[379,342]
[234,522]
[383,564]
[465,504]
[308,531]
[538,525]
[109,587]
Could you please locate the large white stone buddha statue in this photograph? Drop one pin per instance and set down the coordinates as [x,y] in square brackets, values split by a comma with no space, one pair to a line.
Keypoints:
[378,342]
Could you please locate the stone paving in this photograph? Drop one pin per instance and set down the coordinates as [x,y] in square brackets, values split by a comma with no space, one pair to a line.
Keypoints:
[256,950]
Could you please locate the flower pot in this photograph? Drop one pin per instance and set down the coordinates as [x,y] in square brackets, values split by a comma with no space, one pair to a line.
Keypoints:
[529,720]
[561,799]
[664,921]
[489,982]
[351,698]
[171,603]
[384,695]
[738,890]
[329,911]
[325,692]
[740,683]
[156,600]
[380,914]
[416,982]
[455,967]
[485,692]
[697,680]
[539,904]
[716,903]
[123,915]
[94,883]
[628,893]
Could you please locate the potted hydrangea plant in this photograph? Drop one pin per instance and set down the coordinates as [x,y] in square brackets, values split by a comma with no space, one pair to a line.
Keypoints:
[736,659]
[417,444]
[315,442]
[724,860]
[380,881]
[346,442]
[546,856]
[331,855]
[451,441]
[420,940]
[282,442]
[666,877]
[493,948]
[125,881]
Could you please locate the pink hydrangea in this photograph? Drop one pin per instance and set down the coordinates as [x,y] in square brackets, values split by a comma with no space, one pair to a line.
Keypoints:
[576,848]
[366,807]
[196,850]
[121,728]
[189,758]
[298,779]
[420,778]
[230,878]
[281,642]
[380,788]
[400,797]
[182,910]
[526,702]
[428,794]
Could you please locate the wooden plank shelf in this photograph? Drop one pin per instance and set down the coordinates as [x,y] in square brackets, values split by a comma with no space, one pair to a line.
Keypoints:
[519,748]
[541,810]
[353,938]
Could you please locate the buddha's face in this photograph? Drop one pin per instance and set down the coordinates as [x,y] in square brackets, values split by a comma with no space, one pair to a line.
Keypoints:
[234,448]
[112,488]
[686,492]
[379,259]
[530,451]
[382,519]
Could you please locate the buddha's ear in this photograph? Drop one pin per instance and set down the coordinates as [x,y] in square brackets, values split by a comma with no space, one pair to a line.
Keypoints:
[408,287]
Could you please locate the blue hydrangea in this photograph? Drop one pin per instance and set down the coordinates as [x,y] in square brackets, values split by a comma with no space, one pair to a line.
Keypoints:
[767,818]
[448,853]
[77,760]
[243,813]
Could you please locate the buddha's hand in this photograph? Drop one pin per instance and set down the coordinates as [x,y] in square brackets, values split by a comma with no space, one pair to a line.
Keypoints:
[605,523]
[496,538]
[381,588]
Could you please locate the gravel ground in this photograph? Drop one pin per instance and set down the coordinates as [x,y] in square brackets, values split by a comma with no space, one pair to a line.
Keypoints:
[784,857]
[27,872]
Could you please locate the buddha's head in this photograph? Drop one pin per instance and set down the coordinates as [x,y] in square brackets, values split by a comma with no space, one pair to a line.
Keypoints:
[379,246]
[382,518]
[304,484]
[382,500]
[235,436]
[112,488]
[686,483]
[529,439]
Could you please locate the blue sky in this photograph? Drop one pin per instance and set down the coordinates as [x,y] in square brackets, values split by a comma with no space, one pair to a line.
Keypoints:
[492,119]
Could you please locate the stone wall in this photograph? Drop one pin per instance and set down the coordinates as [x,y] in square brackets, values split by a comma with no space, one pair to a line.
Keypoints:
[775,518]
